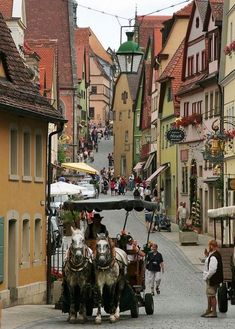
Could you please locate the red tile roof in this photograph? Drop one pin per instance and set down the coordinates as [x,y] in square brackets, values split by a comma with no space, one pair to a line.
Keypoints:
[50,20]
[191,84]
[6,8]
[185,11]
[173,70]
[147,25]
[98,49]
[48,52]
[217,9]
[18,93]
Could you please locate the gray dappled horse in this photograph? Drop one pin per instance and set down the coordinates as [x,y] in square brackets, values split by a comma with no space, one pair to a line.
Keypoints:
[110,272]
[78,273]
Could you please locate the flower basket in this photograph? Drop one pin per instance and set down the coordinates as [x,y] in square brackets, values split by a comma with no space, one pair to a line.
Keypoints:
[193,119]
[56,275]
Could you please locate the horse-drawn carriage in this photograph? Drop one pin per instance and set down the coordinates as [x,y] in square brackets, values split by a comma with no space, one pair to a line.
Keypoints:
[110,281]
[226,218]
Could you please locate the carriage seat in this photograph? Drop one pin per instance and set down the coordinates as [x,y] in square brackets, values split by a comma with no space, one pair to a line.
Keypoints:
[227,259]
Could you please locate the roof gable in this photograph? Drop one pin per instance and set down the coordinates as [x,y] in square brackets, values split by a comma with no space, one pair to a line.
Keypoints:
[82,53]
[147,25]
[18,93]
[98,49]
[214,14]
[43,23]
[173,73]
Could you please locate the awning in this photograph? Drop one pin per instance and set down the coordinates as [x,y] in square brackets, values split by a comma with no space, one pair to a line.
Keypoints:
[79,166]
[148,162]
[211,180]
[159,171]
[138,166]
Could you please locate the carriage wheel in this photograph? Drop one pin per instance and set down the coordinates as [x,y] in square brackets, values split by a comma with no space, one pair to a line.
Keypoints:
[222,298]
[149,304]
[134,308]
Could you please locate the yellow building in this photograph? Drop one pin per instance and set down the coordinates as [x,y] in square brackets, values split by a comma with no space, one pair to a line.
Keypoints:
[25,116]
[227,82]
[125,93]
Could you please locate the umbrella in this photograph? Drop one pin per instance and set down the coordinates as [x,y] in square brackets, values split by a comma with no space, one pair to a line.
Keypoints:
[62,188]
[80,166]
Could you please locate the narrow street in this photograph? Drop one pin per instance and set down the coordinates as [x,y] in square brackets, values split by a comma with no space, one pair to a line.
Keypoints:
[182,297]
[104,148]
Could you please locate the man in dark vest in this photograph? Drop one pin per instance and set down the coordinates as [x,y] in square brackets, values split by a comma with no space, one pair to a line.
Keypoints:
[95,227]
[213,275]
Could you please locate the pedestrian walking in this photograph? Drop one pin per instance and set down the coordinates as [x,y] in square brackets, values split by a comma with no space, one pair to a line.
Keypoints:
[148,215]
[155,267]
[182,214]
[158,213]
[213,275]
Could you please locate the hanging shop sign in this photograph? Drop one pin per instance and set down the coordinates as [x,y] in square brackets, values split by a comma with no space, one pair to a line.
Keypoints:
[175,135]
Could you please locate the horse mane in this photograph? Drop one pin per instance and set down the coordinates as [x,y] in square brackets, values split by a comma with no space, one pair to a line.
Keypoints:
[101,236]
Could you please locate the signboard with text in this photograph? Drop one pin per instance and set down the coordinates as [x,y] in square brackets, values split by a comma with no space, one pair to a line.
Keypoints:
[175,135]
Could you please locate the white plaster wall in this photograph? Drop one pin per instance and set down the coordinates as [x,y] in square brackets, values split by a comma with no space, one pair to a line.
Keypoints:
[195,32]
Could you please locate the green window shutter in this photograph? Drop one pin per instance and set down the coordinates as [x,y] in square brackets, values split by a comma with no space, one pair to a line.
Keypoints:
[1,248]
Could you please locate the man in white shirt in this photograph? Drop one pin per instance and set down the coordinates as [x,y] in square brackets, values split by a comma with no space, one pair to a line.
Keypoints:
[213,275]
[182,214]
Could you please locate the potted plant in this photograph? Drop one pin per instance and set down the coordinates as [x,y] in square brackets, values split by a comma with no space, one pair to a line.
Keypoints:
[56,280]
[69,219]
[196,216]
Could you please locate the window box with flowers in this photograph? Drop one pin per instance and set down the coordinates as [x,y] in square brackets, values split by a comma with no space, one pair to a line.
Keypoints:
[193,119]
[229,48]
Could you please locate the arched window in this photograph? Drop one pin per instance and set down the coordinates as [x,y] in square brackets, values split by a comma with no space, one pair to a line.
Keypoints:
[37,239]
[25,241]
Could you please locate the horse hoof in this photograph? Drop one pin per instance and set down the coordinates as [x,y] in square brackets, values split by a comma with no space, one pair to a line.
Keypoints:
[98,321]
[82,319]
[112,319]
[72,319]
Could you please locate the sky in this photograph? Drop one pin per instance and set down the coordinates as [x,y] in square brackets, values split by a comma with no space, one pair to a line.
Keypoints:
[108,28]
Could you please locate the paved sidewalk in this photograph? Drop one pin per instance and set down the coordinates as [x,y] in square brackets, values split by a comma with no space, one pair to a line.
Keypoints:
[17,316]
[194,253]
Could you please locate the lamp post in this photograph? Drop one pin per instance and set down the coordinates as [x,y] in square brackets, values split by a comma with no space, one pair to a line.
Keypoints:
[129,55]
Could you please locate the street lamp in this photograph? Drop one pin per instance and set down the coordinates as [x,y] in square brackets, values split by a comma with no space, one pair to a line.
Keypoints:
[129,55]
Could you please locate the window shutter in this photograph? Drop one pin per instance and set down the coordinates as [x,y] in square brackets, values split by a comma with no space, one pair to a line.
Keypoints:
[1,248]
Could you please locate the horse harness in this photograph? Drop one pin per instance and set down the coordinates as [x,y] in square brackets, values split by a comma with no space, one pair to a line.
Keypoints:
[83,264]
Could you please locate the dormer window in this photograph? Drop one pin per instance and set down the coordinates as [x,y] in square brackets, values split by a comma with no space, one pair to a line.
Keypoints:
[197,22]
[2,71]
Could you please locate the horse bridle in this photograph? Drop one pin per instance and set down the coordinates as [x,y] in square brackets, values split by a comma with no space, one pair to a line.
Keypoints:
[80,266]
[110,263]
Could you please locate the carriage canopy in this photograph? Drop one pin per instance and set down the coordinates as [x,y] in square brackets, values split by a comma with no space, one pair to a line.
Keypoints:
[110,204]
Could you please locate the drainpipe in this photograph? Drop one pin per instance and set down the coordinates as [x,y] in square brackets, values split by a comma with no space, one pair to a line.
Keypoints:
[49,210]
[224,164]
